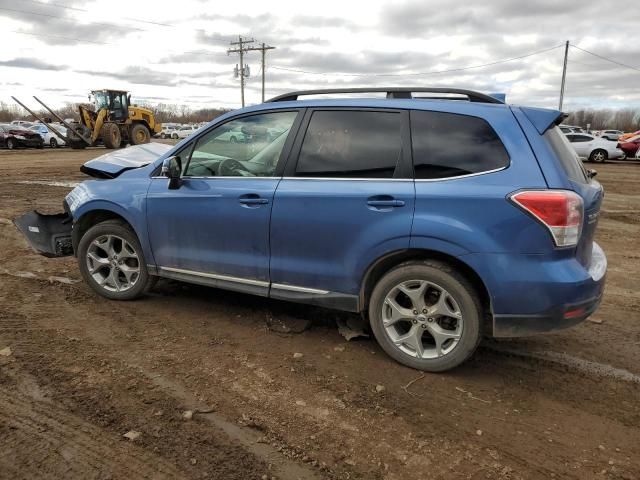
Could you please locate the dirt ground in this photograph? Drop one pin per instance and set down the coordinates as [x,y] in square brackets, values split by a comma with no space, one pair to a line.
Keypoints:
[77,372]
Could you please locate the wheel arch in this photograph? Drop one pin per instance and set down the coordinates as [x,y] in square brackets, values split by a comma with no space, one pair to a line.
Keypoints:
[382,265]
[91,218]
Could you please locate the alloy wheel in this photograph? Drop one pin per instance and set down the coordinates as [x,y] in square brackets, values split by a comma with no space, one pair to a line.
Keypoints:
[113,263]
[422,319]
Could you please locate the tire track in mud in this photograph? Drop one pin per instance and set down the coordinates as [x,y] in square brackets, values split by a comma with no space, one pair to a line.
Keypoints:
[38,431]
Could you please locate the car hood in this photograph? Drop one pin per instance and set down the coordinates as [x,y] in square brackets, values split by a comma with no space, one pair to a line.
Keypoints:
[112,164]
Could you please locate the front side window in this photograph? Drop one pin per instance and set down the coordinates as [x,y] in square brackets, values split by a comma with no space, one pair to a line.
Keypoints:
[241,148]
[351,144]
[449,145]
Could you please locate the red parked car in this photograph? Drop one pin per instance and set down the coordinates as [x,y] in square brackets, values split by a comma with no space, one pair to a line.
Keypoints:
[13,136]
[630,146]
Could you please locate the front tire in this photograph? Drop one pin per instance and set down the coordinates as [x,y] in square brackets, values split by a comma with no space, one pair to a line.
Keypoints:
[111,261]
[111,135]
[598,156]
[426,315]
[53,143]
[11,144]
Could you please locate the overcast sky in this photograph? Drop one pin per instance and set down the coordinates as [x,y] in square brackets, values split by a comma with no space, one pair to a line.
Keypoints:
[175,51]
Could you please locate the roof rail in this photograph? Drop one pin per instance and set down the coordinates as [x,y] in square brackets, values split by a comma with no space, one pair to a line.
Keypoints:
[392,92]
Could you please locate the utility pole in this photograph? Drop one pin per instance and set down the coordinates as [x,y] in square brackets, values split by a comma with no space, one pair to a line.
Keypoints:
[241,49]
[263,49]
[564,74]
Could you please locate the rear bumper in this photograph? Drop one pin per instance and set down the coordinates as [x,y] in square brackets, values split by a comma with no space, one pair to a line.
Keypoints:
[49,235]
[533,294]
[558,319]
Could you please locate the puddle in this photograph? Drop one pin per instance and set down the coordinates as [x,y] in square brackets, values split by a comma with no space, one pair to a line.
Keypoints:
[50,183]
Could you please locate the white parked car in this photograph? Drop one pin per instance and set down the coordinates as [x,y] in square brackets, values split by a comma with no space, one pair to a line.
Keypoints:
[594,149]
[611,135]
[22,123]
[183,132]
[48,136]
[167,131]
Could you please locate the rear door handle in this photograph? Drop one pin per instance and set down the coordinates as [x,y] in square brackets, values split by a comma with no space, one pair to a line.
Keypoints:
[386,202]
[252,200]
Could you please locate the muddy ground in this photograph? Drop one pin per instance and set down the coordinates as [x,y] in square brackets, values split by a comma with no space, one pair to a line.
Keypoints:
[77,372]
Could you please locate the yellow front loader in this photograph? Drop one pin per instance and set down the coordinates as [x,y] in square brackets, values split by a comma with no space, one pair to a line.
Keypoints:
[112,121]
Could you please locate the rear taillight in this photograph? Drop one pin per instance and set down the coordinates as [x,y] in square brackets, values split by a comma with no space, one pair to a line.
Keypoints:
[561,211]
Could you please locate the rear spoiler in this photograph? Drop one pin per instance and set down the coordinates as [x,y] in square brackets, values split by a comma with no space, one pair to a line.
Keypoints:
[543,118]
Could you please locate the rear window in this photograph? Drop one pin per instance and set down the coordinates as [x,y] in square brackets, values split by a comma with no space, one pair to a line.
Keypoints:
[449,145]
[566,155]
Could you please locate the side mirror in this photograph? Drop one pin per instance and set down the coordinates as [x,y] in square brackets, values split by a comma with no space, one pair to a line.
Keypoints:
[591,173]
[172,169]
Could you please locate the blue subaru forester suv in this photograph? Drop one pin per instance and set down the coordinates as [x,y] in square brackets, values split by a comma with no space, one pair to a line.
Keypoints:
[439,214]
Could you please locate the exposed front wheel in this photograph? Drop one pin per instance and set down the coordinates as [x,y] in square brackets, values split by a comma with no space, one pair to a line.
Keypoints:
[111,136]
[112,262]
[426,315]
[598,156]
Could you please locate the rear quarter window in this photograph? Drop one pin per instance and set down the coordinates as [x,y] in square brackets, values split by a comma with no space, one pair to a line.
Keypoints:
[566,155]
[447,145]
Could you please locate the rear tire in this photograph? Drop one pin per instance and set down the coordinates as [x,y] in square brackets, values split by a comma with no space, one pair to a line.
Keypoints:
[111,135]
[111,261]
[598,156]
[11,144]
[139,134]
[438,327]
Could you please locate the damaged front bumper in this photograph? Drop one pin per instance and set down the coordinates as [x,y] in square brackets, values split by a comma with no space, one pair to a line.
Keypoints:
[49,235]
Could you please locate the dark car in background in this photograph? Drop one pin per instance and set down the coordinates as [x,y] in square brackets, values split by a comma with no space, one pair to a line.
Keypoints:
[630,146]
[13,136]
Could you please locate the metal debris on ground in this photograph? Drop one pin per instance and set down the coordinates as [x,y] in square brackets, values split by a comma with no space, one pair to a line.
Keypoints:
[353,327]
[282,323]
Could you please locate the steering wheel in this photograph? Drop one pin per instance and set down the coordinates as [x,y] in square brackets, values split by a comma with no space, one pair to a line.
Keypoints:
[229,167]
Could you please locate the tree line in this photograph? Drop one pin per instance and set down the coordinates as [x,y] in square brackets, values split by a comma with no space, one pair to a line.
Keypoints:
[627,120]
[164,112]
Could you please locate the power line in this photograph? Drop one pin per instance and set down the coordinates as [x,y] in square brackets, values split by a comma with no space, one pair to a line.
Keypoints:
[81,40]
[47,15]
[607,59]
[433,72]
[77,9]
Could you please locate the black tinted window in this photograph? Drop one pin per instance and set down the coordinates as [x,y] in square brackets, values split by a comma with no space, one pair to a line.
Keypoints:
[566,154]
[351,144]
[449,145]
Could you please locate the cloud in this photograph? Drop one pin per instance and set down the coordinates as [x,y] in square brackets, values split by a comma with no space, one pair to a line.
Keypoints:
[384,44]
[32,63]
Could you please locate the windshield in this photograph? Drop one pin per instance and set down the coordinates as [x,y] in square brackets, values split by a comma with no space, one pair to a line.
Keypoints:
[101,100]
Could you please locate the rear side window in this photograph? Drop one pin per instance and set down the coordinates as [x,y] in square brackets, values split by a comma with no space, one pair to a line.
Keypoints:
[449,145]
[577,138]
[351,144]
[566,155]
